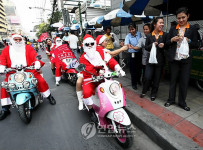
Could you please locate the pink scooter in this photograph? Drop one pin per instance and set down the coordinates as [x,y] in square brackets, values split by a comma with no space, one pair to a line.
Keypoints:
[109,108]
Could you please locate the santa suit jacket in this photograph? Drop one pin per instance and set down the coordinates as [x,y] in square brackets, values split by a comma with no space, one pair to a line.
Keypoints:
[111,63]
[30,56]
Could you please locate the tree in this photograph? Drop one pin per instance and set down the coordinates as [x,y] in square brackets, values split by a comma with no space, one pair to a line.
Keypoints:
[56,17]
[45,27]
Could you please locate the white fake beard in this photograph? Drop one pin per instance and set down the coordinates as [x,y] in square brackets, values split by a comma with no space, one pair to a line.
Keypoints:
[58,44]
[90,51]
[18,44]
[17,54]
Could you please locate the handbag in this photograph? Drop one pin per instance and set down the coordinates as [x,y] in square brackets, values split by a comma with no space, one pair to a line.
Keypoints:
[152,56]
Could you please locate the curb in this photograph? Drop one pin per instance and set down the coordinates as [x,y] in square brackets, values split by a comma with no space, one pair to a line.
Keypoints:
[157,130]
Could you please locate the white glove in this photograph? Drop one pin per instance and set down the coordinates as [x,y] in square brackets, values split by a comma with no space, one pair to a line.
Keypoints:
[37,65]
[121,73]
[2,69]
[119,70]
[101,72]
[80,75]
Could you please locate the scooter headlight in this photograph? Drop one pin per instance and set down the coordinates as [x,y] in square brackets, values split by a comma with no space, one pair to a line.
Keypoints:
[26,84]
[114,89]
[19,77]
[67,60]
[4,85]
[11,86]
[34,81]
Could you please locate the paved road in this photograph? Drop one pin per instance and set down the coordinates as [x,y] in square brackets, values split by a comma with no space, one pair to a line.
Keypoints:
[58,127]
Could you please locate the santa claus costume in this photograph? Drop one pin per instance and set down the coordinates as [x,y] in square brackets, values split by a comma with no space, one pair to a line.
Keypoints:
[94,59]
[57,65]
[20,54]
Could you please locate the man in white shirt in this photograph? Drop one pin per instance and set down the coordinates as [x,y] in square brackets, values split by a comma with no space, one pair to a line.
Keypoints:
[73,43]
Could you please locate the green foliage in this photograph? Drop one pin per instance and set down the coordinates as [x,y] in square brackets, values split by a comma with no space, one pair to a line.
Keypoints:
[45,27]
[56,17]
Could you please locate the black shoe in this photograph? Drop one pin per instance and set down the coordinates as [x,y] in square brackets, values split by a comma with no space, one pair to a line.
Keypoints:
[142,95]
[153,98]
[93,115]
[4,114]
[51,99]
[167,104]
[186,108]
[134,87]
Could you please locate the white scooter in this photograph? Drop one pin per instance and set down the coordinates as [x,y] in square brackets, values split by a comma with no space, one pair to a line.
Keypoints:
[109,107]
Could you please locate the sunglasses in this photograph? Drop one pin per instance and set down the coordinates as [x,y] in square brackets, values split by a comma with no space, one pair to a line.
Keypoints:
[88,44]
[17,39]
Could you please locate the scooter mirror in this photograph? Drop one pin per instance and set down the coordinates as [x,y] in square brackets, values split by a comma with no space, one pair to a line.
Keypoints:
[81,67]
[39,57]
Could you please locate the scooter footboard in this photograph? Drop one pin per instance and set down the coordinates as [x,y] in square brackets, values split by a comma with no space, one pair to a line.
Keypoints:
[120,116]
[22,98]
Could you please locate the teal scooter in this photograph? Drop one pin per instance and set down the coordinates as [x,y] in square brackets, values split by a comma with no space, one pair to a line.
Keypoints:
[23,91]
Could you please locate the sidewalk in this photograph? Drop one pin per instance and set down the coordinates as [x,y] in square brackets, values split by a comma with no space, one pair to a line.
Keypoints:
[170,127]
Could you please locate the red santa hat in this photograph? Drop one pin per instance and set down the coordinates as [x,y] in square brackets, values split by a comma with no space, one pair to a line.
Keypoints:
[56,39]
[88,38]
[100,39]
[16,35]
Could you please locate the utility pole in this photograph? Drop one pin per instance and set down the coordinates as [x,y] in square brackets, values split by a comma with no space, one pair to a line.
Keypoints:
[79,4]
[63,12]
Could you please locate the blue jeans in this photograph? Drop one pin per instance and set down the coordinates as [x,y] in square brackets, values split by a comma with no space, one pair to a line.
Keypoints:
[75,51]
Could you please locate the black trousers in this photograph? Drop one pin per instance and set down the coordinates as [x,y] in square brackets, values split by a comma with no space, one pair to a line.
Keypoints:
[135,67]
[179,71]
[152,78]
[143,72]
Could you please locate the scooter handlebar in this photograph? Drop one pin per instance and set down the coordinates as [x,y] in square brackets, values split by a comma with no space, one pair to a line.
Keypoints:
[14,69]
[107,75]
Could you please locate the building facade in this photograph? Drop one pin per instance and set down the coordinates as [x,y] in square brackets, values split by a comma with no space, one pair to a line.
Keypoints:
[3,21]
[14,25]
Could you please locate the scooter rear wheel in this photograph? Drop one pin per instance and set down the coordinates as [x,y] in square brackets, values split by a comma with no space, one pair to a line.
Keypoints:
[72,78]
[25,113]
[124,137]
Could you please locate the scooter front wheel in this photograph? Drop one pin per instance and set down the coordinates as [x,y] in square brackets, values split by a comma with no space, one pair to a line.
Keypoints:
[124,136]
[25,113]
